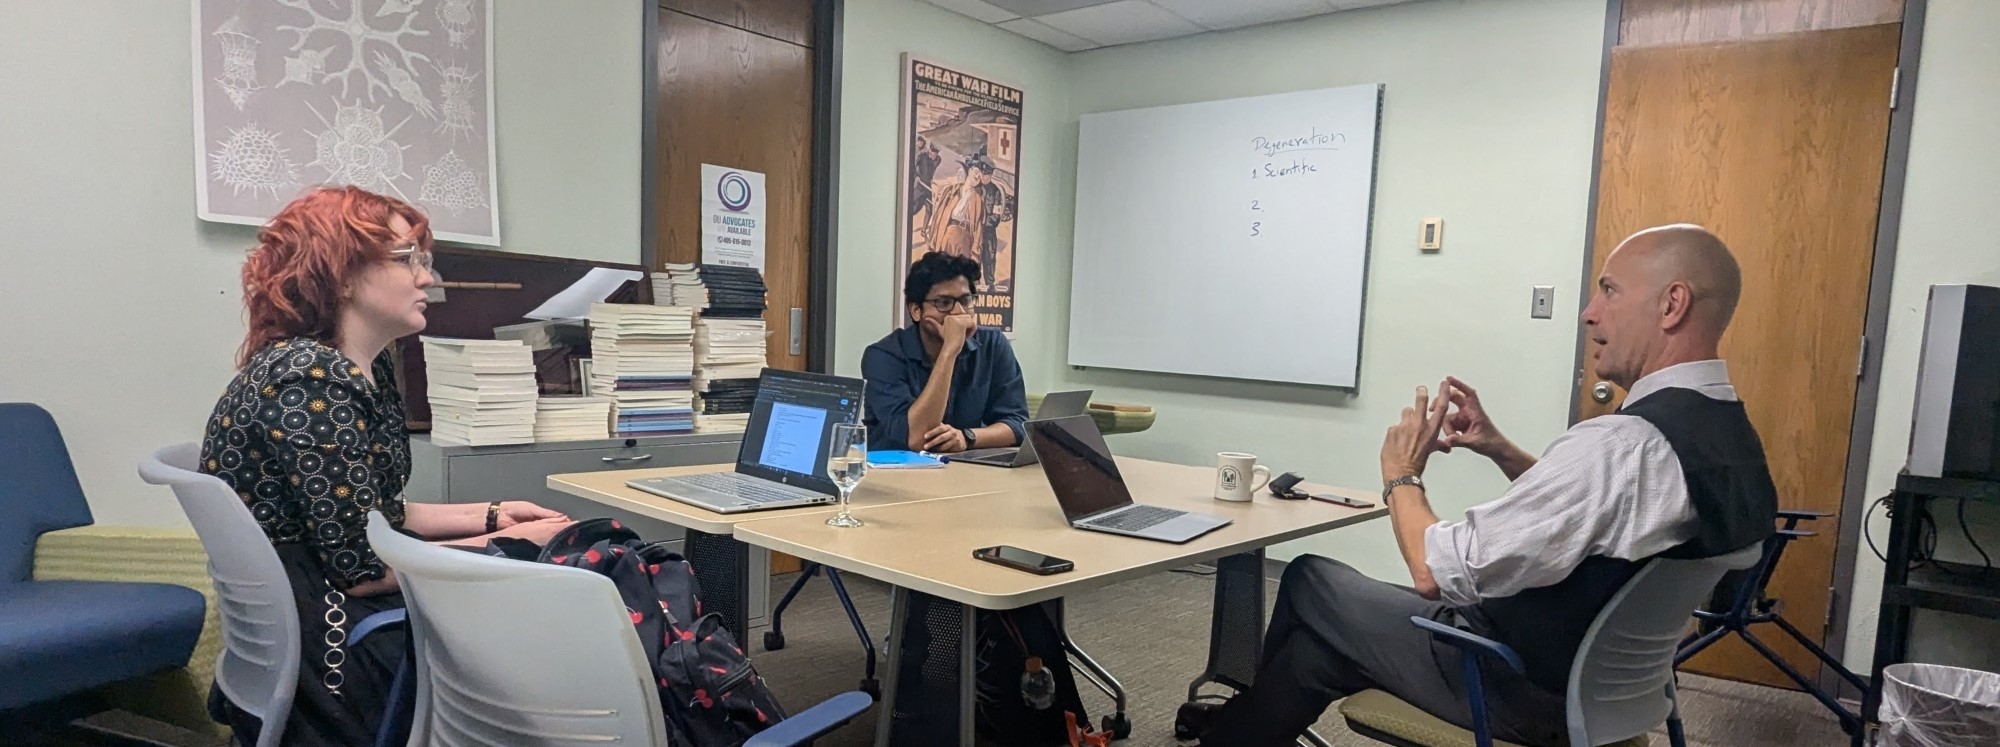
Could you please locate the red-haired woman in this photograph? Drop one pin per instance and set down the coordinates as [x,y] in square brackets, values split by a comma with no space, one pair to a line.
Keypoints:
[311,435]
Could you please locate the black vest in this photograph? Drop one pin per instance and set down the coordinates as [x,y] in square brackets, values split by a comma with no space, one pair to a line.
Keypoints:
[1735,504]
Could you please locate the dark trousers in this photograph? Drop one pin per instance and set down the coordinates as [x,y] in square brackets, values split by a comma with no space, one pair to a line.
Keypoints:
[1336,632]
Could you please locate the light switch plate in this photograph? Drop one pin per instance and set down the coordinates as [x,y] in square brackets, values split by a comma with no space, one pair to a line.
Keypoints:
[1544,304]
[1430,237]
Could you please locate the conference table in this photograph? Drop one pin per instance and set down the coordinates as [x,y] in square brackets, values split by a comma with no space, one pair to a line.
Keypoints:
[920,528]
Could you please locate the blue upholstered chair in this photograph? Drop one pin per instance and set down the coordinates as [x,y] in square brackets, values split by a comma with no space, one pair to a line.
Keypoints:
[62,638]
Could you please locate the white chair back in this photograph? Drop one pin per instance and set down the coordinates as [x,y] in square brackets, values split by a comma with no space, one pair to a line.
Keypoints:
[259,666]
[515,653]
[1621,685]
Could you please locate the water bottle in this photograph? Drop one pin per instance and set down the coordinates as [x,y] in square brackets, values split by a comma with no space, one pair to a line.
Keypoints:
[1038,686]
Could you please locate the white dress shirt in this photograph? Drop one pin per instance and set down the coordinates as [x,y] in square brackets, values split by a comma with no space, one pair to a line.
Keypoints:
[1610,486]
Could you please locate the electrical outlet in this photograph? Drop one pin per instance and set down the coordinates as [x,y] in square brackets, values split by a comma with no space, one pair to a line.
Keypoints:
[1544,304]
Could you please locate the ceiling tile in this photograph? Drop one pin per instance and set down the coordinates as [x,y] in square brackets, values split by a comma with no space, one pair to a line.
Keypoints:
[1121,22]
[1042,33]
[1228,15]
[1032,8]
[977,9]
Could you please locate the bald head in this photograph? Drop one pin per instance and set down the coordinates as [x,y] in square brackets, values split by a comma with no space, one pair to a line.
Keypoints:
[1693,256]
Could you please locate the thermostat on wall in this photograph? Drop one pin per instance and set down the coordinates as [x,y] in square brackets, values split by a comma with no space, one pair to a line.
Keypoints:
[1431,237]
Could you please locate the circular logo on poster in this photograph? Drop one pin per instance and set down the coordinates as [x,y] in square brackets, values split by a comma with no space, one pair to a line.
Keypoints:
[734,191]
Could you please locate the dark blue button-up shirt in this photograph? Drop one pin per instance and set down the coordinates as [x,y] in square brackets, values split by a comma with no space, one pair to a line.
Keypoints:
[986,386]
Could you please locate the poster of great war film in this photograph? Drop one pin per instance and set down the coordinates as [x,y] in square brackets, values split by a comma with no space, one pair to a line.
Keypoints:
[961,145]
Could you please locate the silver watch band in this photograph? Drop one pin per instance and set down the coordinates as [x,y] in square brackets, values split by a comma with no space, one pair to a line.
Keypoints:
[1392,485]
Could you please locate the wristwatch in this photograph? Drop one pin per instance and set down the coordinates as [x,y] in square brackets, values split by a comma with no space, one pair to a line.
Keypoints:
[1391,485]
[971,438]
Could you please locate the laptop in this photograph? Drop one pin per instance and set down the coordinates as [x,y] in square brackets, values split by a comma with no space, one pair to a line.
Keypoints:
[782,462]
[1055,405]
[1092,493]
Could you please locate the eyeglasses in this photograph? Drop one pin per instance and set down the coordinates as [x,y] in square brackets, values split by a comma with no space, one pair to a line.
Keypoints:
[944,304]
[418,259]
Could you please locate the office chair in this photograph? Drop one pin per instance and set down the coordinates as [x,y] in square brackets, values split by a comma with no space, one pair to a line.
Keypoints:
[1743,603]
[258,669]
[65,638]
[1621,686]
[774,639]
[565,669]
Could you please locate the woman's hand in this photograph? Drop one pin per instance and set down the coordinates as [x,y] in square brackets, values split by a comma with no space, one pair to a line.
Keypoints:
[539,531]
[514,513]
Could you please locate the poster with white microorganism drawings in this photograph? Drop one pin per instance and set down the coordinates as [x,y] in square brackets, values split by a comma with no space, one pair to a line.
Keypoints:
[394,96]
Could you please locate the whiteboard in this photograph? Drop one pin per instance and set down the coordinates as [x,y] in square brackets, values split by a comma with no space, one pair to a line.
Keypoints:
[1226,238]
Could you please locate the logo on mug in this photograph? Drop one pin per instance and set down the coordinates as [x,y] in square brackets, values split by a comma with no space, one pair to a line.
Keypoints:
[1229,478]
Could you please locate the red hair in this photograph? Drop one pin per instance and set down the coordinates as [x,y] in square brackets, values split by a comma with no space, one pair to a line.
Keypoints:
[293,280]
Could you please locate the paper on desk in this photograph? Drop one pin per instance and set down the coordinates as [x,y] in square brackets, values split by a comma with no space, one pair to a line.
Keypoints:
[574,302]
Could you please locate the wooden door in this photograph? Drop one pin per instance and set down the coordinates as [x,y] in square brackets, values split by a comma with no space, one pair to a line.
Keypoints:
[736,89]
[742,98]
[1777,144]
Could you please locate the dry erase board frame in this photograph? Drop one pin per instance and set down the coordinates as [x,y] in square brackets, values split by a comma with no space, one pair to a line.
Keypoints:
[1186,264]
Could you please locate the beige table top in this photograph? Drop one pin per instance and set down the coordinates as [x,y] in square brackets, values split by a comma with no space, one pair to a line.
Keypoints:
[927,546]
[882,487]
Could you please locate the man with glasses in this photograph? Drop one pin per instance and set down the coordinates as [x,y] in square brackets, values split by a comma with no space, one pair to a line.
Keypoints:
[942,383]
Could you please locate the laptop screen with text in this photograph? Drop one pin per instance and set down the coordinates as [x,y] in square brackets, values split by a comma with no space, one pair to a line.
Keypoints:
[792,423]
[1079,465]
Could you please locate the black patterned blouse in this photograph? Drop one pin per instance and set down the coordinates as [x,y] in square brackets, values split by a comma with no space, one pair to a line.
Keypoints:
[311,447]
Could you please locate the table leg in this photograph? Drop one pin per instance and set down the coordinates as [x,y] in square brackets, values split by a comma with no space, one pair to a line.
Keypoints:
[722,564]
[1893,626]
[928,700]
[1236,630]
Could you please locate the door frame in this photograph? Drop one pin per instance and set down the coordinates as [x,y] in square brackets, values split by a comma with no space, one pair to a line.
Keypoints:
[1888,223]
[823,214]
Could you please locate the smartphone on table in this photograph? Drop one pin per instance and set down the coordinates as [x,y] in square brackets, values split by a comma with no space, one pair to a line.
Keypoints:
[1023,560]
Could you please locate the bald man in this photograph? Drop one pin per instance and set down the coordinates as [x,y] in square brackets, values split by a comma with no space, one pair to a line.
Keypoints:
[1677,472]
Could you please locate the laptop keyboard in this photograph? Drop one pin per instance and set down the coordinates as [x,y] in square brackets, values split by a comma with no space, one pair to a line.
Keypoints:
[730,483]
[1136,518]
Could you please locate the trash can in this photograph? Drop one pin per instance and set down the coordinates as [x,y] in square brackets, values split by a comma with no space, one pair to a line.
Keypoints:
[1929,705]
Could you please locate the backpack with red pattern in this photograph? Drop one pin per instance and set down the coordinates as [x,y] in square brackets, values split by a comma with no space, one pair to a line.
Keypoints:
[712,695]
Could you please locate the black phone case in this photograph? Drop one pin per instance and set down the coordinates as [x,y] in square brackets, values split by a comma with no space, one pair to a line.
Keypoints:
[1037,570]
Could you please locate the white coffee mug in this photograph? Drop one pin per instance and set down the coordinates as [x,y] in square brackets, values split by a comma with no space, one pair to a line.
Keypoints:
[1238,476]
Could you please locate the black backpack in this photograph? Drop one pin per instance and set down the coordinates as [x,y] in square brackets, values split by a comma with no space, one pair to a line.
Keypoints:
[712,695]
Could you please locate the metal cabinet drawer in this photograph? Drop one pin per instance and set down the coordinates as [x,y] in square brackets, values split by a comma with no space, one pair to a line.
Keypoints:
[522,474]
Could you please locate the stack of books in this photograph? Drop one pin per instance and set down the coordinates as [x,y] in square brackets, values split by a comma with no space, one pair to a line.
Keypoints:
[481,392]
[642,357]
[728,358]
[733,292]
[572,418]
[680,285]
[719,292]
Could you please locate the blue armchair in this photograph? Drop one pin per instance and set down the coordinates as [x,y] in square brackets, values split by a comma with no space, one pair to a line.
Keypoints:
[62,638]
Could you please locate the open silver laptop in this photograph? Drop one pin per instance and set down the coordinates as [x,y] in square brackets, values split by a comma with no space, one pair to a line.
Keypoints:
[1055,405]
[782,462]
[1092,493]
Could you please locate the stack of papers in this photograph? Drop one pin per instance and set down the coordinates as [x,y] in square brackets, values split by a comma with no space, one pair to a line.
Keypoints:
[642,357]
[572,418]
[482,392]
[728,358]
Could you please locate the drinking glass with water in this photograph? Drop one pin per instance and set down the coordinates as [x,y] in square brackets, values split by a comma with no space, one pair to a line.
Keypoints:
[847,463]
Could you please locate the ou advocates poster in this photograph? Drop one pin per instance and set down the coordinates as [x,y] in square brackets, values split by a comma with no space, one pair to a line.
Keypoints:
[961,150]
[732,217]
